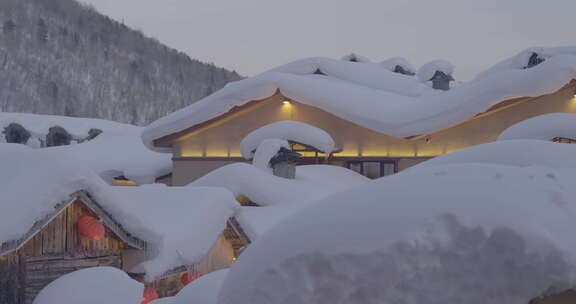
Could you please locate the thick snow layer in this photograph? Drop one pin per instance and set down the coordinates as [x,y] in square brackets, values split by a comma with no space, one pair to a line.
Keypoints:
[543,127]
[203,290]
[281,196]
[180,224]
[92,286]
[289,130]
[427,71]
[391,63]
[311,182]
[117,151]
[518,153]
[444,234]
[372,96]
[266,150]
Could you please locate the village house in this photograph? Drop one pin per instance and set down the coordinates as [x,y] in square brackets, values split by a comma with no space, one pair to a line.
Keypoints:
[162,236]
[384,117]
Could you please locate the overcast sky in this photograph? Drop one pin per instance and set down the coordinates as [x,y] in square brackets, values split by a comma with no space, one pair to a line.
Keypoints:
[251,36]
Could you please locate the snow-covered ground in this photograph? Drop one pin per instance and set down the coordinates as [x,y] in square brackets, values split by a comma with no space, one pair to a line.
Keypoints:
[117,151]
[476,225]
[371,95]
[180,224]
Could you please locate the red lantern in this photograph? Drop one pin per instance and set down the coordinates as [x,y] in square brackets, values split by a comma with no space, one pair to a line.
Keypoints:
[149,295]
[188,277]
[91,228]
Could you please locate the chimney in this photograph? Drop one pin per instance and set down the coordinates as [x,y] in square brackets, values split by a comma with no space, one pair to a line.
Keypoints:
[283,164]
[441,81]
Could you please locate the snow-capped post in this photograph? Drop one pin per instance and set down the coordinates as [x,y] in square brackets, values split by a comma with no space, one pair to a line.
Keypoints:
[441,81]
[534,60]
[399,65]
[355,58]
[16,134]
[439,72]
[283,164]
[58,136]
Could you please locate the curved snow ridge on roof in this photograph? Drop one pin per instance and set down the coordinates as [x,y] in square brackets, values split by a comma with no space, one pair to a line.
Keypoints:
[294,131]
[117,151]
[40,125]
[372,96]
[543,127]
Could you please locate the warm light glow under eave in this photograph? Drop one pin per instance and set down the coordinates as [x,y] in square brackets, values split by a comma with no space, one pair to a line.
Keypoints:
[286,102]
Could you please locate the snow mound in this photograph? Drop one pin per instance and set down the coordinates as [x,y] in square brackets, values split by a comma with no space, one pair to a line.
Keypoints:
[267,149]
[289,130]
[92,286]
[280,196]
[543,127]
[471,232]
[180,224]
[373,97]
[391,64]
[517,153]
[427,71]
[203,290]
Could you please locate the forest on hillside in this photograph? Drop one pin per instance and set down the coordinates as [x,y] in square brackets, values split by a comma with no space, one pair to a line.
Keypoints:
[64,58]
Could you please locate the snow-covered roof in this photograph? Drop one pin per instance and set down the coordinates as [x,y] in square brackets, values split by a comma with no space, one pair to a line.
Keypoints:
[543,127]
[117,151]
[179,224]
[371,95]
[94,285]
[459,233]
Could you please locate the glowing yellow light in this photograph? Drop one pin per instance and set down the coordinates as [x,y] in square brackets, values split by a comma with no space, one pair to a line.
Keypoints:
[286,102]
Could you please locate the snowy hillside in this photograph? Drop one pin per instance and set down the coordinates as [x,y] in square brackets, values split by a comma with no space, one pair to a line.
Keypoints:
[60,57]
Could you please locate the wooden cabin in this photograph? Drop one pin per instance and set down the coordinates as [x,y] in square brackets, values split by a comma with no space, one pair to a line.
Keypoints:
[54,246]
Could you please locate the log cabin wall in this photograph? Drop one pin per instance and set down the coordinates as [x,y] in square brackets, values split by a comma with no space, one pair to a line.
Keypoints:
[56,250]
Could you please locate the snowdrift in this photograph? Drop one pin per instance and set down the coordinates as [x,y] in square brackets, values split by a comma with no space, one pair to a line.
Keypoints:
[460,233]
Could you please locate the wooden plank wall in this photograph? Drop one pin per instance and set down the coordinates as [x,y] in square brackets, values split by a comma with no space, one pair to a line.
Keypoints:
[56,250]
[10,279]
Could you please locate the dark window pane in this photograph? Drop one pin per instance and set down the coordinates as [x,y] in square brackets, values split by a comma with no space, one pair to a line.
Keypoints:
[389,169]
[357,166]
[372,169]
